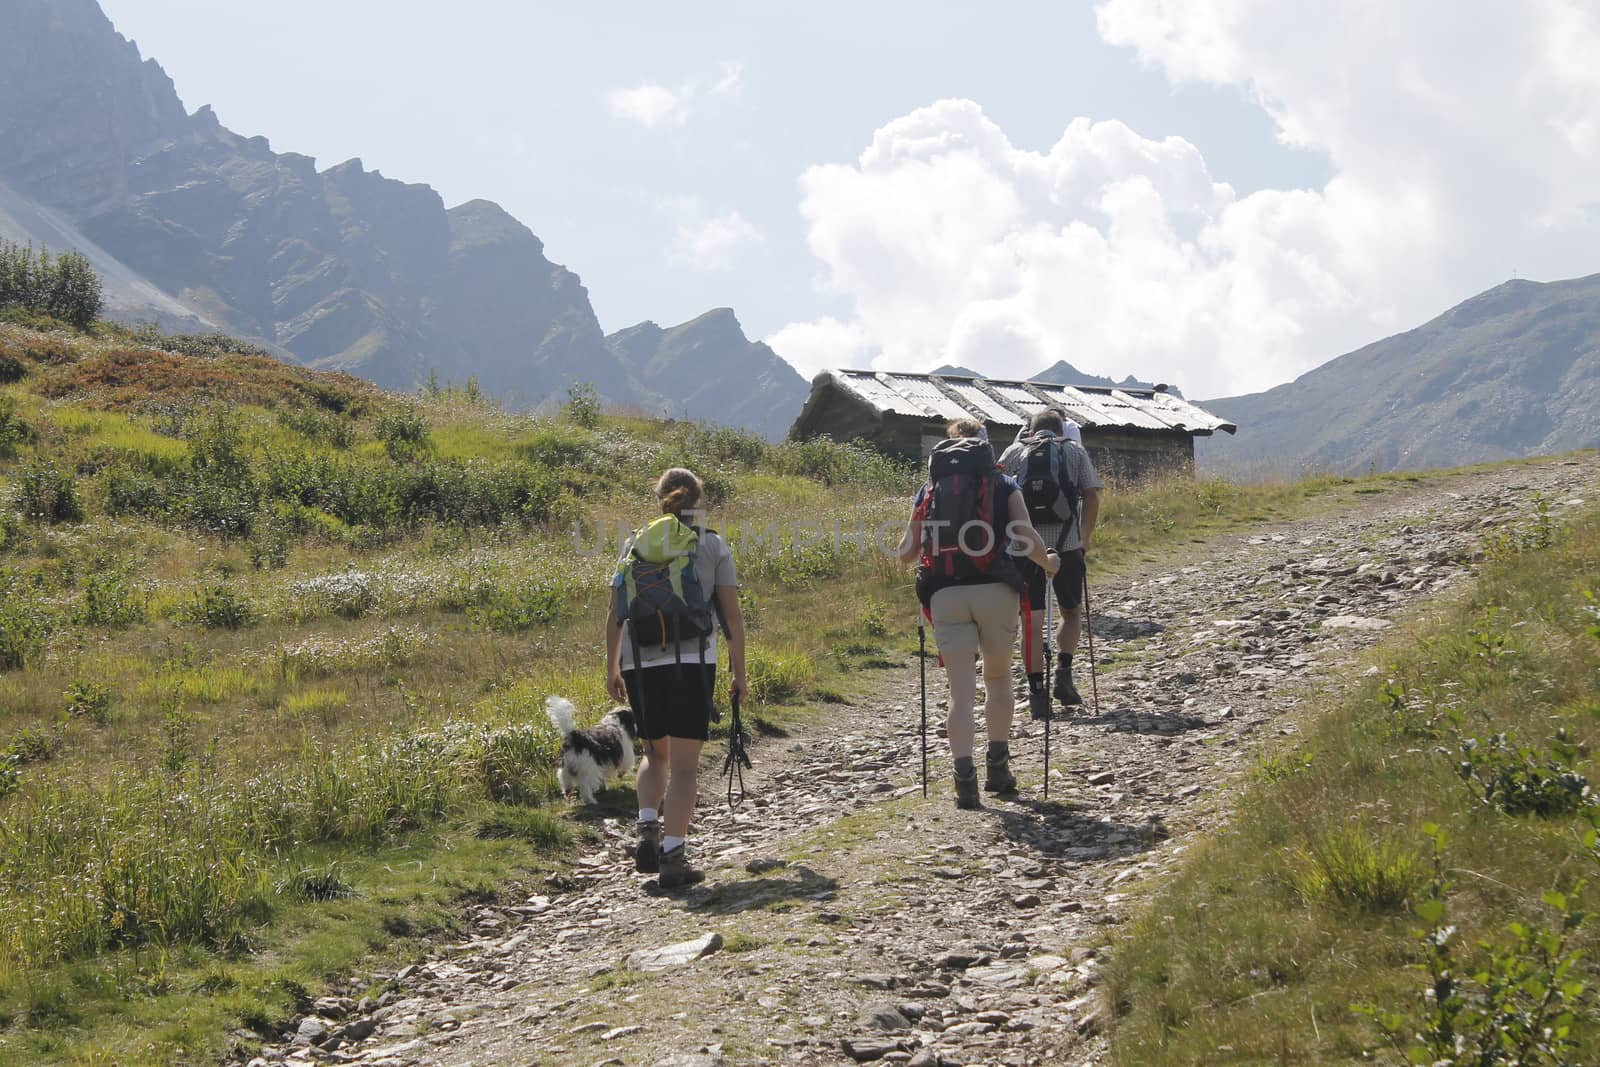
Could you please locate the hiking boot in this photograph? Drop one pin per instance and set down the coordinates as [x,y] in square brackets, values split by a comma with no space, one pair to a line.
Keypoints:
[999,778]
[967,791]
[676,872]
[647,856]
[1065,691]
[1039,707]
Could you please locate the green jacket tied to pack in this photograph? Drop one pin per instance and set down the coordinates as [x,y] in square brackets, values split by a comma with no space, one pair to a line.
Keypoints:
[657,588]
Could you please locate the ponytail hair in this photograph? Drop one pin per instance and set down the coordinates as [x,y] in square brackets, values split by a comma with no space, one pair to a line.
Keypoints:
[679,491]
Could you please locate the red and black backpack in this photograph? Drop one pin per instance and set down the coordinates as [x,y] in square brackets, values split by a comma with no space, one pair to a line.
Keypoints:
[963,537]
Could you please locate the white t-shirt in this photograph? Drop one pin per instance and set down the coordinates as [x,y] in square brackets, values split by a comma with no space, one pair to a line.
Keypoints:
[713,563]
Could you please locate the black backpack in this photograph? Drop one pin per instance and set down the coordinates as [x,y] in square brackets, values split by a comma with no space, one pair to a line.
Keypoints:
[1047,486]
[959,539]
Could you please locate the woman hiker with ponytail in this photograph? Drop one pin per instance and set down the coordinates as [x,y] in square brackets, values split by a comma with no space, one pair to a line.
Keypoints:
[966,524]
[669,683]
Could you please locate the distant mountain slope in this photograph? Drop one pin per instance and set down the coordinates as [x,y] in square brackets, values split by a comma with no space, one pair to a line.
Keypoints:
[341,268]
[128,296]
[711,370]
[1515,371]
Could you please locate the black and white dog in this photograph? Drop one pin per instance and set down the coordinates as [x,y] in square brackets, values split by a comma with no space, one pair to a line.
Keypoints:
[589,757]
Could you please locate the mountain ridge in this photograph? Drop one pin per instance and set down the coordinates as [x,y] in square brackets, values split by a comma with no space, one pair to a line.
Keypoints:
[341,268]
[1513,371]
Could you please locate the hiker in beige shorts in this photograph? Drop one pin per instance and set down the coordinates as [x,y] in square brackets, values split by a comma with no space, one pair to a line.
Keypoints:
[967,525]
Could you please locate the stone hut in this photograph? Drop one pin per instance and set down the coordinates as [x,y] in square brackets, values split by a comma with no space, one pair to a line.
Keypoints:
[1131,433]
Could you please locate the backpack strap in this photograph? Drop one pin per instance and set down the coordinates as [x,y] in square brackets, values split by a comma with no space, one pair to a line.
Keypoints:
[638,687]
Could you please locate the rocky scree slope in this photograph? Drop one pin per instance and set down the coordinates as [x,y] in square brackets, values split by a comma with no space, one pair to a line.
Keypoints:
[848,919]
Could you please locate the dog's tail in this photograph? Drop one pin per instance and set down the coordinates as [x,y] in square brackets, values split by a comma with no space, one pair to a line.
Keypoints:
[561,713]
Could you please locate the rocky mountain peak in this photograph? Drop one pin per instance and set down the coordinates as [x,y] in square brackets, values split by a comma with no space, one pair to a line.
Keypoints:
[344,268]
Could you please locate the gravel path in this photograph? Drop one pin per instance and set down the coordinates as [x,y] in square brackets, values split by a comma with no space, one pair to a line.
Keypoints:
[848,919]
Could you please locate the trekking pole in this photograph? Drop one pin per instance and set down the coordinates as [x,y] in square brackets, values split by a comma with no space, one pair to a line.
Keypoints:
[738,760]
[1088,626]
[922,669]
[1049,626]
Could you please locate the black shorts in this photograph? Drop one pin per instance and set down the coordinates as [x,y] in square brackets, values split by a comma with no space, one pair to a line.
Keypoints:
[676,700]
[1068,581]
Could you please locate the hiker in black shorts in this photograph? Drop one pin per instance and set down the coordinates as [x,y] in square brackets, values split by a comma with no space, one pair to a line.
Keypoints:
[1062,490]
[665,667]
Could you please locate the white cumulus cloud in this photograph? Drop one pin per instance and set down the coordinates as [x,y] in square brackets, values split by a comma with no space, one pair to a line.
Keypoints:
[710,242]
[1463,138]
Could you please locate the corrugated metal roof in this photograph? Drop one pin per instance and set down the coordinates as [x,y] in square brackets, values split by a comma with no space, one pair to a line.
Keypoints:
[921,390]
[1011,403]
[980,402]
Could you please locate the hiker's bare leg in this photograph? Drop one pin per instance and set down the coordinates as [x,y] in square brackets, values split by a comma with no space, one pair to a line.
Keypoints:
[1033,644]
[1070,630]
[684,756]
[962,671]
[651,784]
[998,704]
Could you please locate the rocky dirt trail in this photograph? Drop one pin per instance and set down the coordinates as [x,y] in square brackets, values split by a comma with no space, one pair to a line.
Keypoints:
[848,919]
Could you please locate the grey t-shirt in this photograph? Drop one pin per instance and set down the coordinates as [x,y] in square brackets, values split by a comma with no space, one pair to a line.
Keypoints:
[713,564]
[1076,463]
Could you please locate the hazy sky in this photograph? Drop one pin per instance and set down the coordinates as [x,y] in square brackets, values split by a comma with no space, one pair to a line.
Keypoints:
[1219,193]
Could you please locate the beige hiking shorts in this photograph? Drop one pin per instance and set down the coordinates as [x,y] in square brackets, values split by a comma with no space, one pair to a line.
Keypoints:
[975,620]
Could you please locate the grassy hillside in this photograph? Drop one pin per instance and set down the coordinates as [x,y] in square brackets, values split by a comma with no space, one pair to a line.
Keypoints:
[274,646]
[1411,879]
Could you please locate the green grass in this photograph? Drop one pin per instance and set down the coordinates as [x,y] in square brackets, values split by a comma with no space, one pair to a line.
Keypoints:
[1309,905]
[309,629]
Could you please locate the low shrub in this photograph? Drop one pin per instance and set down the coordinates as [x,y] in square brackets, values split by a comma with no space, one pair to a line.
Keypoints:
[89,701]
[404,433]
[109,599]
[24,625]
[12,369]
[1523,780]
[521,607]
[13,430]
[32,745]
[583,406]
[46,493]
[219,607]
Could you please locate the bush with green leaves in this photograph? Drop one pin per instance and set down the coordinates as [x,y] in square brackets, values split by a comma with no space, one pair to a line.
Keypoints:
[32,745]
[825,460]
[583,406]
[46,493]
[404,433]
[12,369]
[24,625]
[1516,1003]
[10,774]
[63,287]
[109,598]
[323,427]
[220,607]
[89,701]
[220,493]
[521,607]
[13,430]
[1521,779]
